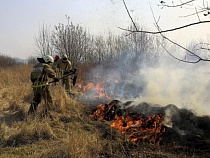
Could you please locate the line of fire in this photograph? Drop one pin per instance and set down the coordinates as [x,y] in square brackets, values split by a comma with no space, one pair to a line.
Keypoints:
[144,122]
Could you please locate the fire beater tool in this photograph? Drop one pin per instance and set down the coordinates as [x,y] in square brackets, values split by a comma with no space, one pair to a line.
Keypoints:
[69,73]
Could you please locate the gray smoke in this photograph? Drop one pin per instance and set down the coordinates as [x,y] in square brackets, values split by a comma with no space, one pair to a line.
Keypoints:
[170,82]
[179,91]
[184,85]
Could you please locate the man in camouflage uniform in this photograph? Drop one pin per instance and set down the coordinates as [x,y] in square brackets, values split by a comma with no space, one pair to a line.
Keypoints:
[39,77]
[55,68]
[54,64]
[65,65]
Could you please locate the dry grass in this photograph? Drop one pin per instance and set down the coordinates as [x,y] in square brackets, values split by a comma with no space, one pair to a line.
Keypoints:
[68,133]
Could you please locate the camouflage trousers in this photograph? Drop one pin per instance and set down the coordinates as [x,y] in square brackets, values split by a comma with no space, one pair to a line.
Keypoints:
[66,83]
[39,93]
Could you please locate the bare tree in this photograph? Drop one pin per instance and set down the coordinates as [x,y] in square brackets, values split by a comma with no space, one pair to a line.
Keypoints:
[32,60]
[43,41]
[72,40]
[190,55]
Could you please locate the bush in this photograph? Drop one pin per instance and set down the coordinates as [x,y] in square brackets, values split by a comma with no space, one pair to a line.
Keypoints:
[6,61]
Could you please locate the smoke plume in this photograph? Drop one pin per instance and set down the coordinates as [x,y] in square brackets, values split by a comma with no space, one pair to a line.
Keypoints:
[182,84]
[169,82]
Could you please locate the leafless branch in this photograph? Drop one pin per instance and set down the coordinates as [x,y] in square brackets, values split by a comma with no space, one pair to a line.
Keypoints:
[169,30]
[188,52]
[164,37]
[197,15]
[198,12]
[163,4]
[204,9]
[134,24]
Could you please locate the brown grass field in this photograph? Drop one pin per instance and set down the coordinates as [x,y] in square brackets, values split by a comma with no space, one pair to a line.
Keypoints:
[69,132]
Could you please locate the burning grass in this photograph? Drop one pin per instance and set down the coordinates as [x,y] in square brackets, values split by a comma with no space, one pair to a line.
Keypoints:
[69,132]
[137,128]
[150,124]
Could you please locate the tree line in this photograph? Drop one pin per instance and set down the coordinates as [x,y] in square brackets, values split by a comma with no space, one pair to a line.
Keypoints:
[83,48]
[86,51]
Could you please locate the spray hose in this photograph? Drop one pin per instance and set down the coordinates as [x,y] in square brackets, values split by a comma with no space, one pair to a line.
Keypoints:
[67,73]
[40,85]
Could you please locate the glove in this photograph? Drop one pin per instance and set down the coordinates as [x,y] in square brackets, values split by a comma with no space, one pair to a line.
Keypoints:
[55,79]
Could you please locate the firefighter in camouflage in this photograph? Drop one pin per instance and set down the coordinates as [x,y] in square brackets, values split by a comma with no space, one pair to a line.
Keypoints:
[40,74]
[54,66]
[65,65]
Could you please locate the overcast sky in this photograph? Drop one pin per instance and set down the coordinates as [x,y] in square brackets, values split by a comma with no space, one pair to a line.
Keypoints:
[20,20]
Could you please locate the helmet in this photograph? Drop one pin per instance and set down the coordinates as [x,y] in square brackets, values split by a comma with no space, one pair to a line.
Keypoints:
[65,56]
[48,58]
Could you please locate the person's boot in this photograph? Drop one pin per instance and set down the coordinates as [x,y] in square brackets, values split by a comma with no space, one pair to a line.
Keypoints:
[32,108]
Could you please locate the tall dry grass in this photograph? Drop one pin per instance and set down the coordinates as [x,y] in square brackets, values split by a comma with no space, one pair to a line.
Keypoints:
[68,133]
[14,86]
[60,135]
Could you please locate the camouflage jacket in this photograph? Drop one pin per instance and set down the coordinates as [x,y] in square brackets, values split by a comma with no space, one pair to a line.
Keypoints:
[64,66]
[54,65]
[41,72]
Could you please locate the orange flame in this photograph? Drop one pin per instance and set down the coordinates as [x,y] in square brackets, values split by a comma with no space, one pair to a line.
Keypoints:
[98,88]
[137,128]
[88,86]
[99,113]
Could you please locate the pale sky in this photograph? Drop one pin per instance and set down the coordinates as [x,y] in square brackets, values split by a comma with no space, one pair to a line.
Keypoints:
[20,20]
